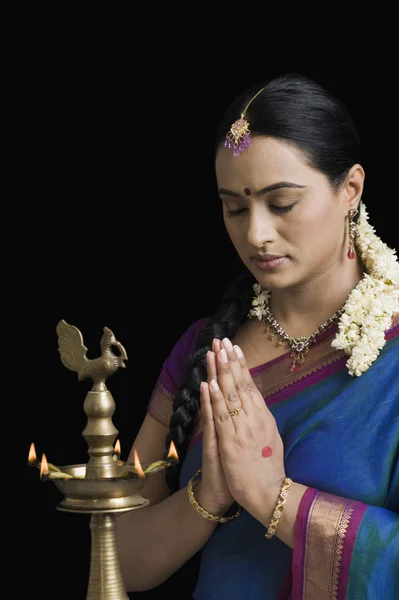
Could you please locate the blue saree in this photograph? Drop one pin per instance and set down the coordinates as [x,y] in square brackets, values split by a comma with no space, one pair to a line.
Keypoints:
[341,439]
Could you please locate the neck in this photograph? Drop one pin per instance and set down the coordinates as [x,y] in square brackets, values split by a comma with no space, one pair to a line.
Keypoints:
[300,310]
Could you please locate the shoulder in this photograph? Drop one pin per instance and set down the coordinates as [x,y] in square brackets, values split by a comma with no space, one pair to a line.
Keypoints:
[185,344]
[189,337]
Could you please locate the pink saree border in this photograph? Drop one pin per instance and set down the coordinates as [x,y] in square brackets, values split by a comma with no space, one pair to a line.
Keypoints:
[286,590]
[325,534]
[330,332]
[305,382]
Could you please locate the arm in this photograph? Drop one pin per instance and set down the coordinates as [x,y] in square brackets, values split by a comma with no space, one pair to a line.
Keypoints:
[343,548]
[286,527]
[340,545]
[153,542]
[348,545]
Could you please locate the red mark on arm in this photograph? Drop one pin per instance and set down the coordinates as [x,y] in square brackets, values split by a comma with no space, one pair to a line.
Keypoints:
[267,451]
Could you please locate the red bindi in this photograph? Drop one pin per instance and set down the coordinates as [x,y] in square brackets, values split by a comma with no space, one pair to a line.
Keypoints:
[267,451]
[247,191]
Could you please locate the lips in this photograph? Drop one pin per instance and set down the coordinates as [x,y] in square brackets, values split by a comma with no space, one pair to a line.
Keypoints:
[269,262]
[266,257]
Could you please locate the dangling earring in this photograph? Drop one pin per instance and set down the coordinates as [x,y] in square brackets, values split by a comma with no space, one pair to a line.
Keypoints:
[352,233]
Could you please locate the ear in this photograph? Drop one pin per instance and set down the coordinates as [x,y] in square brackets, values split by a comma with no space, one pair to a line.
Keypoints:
[353,187]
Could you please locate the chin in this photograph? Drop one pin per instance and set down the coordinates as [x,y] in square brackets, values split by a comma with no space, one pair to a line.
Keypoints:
[274,281]
[280,278]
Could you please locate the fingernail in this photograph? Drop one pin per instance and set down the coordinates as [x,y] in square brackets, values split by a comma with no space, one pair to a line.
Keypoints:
[214,385]
[228,345]
[223,356]
[239,352]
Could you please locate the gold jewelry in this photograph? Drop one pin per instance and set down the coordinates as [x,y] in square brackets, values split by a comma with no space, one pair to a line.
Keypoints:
[300,345]
[204,513]
[238,137]
[279,508]
[235,412]
[352,233]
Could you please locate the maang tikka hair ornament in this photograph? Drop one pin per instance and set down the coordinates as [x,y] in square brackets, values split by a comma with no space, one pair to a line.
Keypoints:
[239,136]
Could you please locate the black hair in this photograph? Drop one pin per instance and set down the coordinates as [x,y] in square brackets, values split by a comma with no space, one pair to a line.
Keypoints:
[300,111]
[303,113]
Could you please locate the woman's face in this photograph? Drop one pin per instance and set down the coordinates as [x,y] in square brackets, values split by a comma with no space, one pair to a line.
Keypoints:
[273,203]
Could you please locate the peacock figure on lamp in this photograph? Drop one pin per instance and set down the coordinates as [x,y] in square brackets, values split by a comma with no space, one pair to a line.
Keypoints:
[73,353]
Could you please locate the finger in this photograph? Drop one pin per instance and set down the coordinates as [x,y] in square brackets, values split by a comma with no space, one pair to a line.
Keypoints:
[240,383]
[209,435]
[233,398]
[216,345]
[211,366]
[249,383]
[222,419]
[206,408]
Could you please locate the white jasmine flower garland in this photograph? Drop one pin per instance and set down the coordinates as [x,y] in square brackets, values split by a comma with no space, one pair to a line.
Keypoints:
[370,306]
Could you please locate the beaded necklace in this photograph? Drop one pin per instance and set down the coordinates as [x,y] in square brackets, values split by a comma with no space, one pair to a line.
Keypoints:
[300,345]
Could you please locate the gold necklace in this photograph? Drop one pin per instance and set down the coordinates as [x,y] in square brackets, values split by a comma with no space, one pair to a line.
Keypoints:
[300,345]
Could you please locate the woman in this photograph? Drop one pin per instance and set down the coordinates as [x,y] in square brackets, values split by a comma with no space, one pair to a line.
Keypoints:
[284,405]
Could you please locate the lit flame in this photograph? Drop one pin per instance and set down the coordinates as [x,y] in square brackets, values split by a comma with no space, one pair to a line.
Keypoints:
[117,448]
[32,453]
[137,465]
[44,466]
[172,451]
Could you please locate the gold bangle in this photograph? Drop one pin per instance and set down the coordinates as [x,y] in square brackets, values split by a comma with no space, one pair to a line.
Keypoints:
[279,508]
[204,513]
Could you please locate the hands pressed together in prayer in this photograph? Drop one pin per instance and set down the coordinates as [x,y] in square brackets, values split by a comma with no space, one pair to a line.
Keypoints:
[243,453]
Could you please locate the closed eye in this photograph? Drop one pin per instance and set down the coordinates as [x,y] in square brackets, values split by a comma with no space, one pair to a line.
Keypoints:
[278,209]
[234,213]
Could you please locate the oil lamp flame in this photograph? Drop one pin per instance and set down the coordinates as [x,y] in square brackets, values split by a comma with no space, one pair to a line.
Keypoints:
[44,466]
[137,465]
[172,451]
[117,448]
[32,453]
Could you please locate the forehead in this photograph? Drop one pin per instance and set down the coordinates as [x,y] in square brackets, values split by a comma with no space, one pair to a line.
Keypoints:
[265,161]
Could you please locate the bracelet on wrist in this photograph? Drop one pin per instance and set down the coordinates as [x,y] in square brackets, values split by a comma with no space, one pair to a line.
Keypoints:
[279,508]
[204,513]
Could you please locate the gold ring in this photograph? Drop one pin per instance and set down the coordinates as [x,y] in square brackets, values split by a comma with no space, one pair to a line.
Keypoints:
[235,412]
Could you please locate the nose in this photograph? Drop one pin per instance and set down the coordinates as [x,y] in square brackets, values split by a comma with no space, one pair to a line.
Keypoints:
[261,229]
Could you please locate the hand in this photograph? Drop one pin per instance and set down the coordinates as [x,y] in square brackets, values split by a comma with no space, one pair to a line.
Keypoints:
[212,492]
[251,448]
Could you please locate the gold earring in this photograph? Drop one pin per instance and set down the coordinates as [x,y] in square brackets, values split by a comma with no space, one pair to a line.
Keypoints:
[352,234]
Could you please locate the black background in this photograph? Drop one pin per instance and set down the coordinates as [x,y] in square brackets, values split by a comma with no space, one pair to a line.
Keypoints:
[121,227]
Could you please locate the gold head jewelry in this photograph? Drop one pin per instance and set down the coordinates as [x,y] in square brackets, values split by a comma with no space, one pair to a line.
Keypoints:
[238,137]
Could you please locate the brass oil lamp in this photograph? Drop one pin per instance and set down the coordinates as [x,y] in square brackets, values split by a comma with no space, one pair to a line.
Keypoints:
[105,485]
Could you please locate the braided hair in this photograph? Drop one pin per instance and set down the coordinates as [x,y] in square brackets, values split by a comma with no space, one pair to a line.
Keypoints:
[232,312]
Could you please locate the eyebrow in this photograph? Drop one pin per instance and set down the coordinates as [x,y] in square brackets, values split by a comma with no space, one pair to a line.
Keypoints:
[269,188]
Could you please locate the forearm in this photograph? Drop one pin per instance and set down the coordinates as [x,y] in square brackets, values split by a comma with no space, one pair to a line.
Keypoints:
[153,542]
[286,526]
